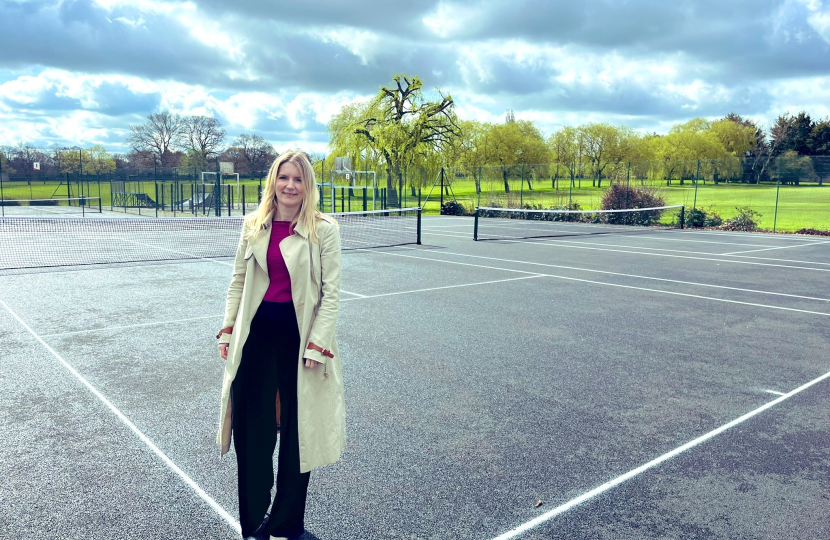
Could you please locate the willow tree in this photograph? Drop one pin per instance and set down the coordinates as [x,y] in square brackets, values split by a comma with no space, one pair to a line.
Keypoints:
[400,124]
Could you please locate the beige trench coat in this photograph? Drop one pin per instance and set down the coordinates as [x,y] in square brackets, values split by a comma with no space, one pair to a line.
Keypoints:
[315,290]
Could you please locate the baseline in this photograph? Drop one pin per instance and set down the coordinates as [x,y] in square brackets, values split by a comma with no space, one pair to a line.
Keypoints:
[547,516]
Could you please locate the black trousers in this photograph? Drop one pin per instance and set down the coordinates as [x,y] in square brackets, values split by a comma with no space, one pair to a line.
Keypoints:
[268,366]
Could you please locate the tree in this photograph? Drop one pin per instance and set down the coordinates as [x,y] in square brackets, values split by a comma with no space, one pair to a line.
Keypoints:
[567,147]
[160,135]
[605,144]
[98,160]
[819,141]
[514,144]
[203,136]
[257,153]
[399,123]
[5,167]
[791,133]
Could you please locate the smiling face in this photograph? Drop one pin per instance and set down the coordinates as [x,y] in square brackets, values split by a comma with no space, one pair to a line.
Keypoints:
[290,189]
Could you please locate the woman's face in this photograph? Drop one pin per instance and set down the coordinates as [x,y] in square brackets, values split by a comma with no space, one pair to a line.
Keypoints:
[290,189]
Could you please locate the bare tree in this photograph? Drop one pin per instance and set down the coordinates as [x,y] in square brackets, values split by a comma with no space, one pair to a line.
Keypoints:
[257,152]
[203,135]
[161,133]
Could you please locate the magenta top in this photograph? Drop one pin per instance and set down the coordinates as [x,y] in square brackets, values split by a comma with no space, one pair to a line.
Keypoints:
[280,288]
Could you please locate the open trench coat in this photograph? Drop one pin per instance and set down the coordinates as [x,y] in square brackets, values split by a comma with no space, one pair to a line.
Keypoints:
[314,269]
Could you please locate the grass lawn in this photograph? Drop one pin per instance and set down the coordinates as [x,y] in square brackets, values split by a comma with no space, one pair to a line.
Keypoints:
[798,206]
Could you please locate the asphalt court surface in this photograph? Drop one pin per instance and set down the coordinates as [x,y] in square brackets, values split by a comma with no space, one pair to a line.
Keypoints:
[481,378]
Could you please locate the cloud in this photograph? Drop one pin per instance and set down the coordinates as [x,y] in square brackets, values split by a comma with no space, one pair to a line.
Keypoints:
[284,69]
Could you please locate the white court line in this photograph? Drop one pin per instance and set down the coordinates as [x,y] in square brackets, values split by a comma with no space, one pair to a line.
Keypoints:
[353,294]
[128,326]
[606,272]
[192,257]
[733,261]
[774,392]
[146,440]
[547,516]
[771,248]
[725,300]
[445,287]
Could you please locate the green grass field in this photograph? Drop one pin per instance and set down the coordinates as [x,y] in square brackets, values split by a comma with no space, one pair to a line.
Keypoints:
[798,206]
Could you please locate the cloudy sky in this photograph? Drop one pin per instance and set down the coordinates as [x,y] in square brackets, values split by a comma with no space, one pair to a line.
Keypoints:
[81,71]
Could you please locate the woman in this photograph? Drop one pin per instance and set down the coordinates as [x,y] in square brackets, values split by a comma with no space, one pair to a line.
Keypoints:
[282,370]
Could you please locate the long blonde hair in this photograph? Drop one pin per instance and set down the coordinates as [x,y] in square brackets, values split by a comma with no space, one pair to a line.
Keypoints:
[308,210]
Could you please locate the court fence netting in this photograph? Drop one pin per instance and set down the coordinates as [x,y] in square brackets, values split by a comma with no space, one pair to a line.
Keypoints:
[513,223]
[32,243]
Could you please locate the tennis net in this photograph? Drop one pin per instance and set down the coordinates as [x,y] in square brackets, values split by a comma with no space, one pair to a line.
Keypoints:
[512,223]
[32,243]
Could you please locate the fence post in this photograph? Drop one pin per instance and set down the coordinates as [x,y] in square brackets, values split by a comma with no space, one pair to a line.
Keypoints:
[156,184]
[522,188]
[442,190]
[243,199]
[777,190]
[694,201]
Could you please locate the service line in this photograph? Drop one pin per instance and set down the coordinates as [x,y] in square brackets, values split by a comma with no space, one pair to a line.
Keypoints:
[547,516]
[687,295]
[636,276]
[146,440]
[447,287]
[546,243]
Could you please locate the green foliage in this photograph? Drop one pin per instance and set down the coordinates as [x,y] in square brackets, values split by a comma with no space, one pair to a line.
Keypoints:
[745,220]
[621,196]
[453,208]
[812,231]
[698,217]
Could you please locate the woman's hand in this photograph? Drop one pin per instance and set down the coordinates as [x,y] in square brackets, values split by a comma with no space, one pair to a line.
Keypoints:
[309,363]
[223,350]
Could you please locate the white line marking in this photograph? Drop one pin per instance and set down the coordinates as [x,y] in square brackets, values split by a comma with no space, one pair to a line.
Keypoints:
[445,287]
[771,248]
[146,440]
[353,293]
[687,295]
[129,326]
[547,243]
[774,392]
[579,269]
[653,463]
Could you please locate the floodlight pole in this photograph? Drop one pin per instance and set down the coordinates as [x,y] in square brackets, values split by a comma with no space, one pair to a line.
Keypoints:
[217,201]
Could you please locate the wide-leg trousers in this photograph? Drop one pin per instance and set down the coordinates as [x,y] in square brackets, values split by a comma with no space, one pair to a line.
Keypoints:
[269,366]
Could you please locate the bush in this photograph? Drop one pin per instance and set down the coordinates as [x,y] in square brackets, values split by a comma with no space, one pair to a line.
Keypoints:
[453,208]
[746,220]
[815,232]
[620,197]
[44,202]
[9,203]
[697,217]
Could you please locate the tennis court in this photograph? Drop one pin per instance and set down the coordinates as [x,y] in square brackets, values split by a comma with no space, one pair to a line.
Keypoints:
[605,382]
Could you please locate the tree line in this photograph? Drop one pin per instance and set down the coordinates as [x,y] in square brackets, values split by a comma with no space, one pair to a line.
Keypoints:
[165,140]
[402,126]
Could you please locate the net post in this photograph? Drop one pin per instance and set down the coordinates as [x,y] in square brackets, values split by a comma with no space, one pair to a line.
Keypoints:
[419,227]
[99,203]
[156,184]
[475,225]
[682,216]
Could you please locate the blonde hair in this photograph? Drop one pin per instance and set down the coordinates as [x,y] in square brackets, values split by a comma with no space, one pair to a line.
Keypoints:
[308,214]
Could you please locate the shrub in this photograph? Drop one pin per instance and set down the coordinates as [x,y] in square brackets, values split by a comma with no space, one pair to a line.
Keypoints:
[9,203]
[698,217]
[620,196]
[746,220]
[452,208]
[44,202]
[812,231]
